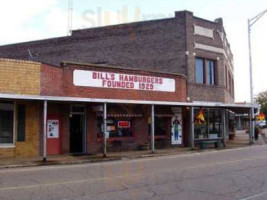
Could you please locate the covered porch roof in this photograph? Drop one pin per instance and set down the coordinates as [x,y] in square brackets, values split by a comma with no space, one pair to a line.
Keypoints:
[237,108]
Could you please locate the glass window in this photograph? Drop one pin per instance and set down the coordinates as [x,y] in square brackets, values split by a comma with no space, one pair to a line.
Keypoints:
[201,129]
[214,123]
[210,67]
[211,128]
[199,70]
[160,126]
[116,127]
[6,123]
[226,77]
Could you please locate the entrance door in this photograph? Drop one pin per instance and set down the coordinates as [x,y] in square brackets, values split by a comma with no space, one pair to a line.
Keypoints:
[77,131]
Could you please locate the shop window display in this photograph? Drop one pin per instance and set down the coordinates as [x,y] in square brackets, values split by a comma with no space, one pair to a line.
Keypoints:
[210,127]
[116,127]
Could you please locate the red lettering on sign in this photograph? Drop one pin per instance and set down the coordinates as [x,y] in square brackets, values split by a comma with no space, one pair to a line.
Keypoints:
[124,124]
[94,75]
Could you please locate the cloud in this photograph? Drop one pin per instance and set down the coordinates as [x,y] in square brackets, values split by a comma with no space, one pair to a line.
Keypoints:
[18,17]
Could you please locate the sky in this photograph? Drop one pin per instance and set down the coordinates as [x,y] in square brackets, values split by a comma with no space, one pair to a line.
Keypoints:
[28,20]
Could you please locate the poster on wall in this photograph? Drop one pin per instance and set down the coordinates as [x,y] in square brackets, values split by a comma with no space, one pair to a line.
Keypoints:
[177,127]
[52,128]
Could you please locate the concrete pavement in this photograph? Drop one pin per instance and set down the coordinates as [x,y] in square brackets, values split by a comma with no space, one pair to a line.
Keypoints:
[229,174]
[241,140]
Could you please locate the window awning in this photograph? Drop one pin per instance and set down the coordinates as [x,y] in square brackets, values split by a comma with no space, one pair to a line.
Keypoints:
[163,111]
[122,111]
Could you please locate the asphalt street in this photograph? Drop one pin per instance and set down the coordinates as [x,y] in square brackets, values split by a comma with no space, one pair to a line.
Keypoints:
[239,174]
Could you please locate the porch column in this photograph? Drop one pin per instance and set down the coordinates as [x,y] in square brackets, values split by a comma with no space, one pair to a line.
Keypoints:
[239,123]
[105,131]
[192,129]
[44,130]
[224,126]
[152,129]
[251,139]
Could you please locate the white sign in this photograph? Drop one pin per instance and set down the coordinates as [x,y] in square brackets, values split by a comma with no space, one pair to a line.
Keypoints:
[52,128]
[122,81]
[177,131]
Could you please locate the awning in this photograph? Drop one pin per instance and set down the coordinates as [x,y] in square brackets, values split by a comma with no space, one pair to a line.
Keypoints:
[163,111]
[122,111]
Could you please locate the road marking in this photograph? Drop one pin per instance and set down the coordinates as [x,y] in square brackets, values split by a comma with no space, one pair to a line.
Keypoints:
[254,196]
[123,176]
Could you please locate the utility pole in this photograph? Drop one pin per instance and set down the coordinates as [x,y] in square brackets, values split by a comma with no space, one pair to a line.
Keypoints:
[70,10]
[251,22]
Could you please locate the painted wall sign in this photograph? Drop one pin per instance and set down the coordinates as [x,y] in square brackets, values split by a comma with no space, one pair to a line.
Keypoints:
[52,128]
[122,81]
[124,124]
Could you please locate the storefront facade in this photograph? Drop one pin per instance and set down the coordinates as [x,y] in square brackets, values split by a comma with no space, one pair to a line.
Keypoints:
[80,125]
[75,109]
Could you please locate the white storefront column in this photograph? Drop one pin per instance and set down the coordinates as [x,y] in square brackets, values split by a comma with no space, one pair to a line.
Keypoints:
[224,126]
[105,131]
[192,129]
[152,128]
[44,130]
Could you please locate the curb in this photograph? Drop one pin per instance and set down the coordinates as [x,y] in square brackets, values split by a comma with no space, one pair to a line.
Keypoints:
[109,159]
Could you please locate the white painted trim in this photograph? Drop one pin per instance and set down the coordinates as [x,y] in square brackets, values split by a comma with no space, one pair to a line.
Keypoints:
[216,50]
[90,100]
[210,48]
[203,31]
[3,146]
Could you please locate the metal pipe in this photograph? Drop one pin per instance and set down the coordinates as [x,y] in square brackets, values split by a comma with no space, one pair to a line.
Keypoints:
[152,128]
[105,131]
[250,128]
[251,22]
[44,131]
[251,85]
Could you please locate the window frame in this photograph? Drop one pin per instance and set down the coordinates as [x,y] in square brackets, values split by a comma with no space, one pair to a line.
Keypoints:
[208,112]
[11,145]
[205,71]
[208,71]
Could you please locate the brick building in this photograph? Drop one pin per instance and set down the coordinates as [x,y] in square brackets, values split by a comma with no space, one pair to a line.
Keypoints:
[165,71]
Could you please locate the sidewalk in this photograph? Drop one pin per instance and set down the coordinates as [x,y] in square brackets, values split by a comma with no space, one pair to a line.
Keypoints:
[79,159]
[240,140]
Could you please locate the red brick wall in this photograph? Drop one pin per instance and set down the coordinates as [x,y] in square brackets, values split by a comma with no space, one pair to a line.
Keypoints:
[57,81]
[51,80]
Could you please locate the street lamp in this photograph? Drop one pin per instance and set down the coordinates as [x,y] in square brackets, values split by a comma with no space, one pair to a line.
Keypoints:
[251,22]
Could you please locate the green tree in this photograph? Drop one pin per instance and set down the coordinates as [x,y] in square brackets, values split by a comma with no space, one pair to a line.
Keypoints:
[262,100]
